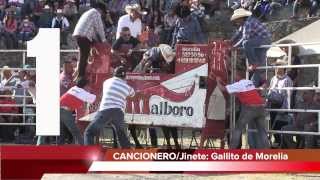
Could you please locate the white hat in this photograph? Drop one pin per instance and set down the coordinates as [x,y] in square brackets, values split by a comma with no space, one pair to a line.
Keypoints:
[276,52]
[135,7]
[280,62]
[71,1]
[240,13]
[59,11]
[167,52]
[46,7]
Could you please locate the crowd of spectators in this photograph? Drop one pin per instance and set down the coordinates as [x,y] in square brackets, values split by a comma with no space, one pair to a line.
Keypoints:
[20,19]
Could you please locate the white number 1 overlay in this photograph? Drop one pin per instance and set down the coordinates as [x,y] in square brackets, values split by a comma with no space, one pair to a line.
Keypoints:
[46,48]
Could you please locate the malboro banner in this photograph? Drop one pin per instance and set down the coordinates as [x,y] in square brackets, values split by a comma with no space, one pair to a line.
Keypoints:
[179,99]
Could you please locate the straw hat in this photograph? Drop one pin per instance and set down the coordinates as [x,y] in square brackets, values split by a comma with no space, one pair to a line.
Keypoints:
[275,52]
[134,7]
[167,52]
[240,13]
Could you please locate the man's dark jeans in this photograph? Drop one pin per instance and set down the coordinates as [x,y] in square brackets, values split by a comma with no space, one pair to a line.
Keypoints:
[255,115]
[84,46]
[114,116]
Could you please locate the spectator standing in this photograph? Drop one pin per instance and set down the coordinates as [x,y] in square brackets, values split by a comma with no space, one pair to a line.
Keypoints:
[187,29]
[170,20]
[311,5]
[10,27]
[115,92]
[293,73]
[303,121]
[88,29]
[66,78]
[132,20]
[70,11]
[62,23]
[252,109]
[45,17]
[250,36]
[279,98]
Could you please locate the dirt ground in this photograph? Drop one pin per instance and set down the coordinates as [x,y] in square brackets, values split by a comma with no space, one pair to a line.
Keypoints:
[182,177]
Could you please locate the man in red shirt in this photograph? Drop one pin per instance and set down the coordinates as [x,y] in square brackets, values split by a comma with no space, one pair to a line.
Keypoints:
[252,109]
[73,99]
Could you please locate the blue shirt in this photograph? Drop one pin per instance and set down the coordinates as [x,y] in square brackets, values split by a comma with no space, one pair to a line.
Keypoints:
[188,29]
[251,29]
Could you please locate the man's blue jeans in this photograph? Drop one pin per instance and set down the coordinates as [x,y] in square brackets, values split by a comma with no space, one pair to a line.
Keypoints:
[114,116]
[257,56]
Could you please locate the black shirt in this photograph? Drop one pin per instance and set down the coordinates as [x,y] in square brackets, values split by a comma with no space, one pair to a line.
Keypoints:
[123,46]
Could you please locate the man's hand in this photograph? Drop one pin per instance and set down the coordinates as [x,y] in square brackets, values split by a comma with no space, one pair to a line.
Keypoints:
[218,79]
[252,67]
[123,60]
[129,52]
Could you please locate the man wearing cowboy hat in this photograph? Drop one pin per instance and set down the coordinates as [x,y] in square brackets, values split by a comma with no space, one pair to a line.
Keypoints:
[156,58]
[88,29]
[132,20]
[250,36]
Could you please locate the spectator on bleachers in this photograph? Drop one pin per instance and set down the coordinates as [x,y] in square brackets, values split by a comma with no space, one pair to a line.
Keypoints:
[62,23]
[132,20]
[66,78]
[70,11]
[245,4]
[122,49]
[110,27]
[279,99]
[45,17]
[20,88]
[197,9]
[7,133]
[303,121]
[10,27]
[250,36]
[311,5]
[118,6]
[187,29]
[170,20]
[149,38]
[6,76]
[26,29]
[88,27]
[3,4]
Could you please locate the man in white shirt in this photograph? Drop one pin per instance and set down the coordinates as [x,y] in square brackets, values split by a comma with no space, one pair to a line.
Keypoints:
[132,20]
[88,29]
[112,107]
